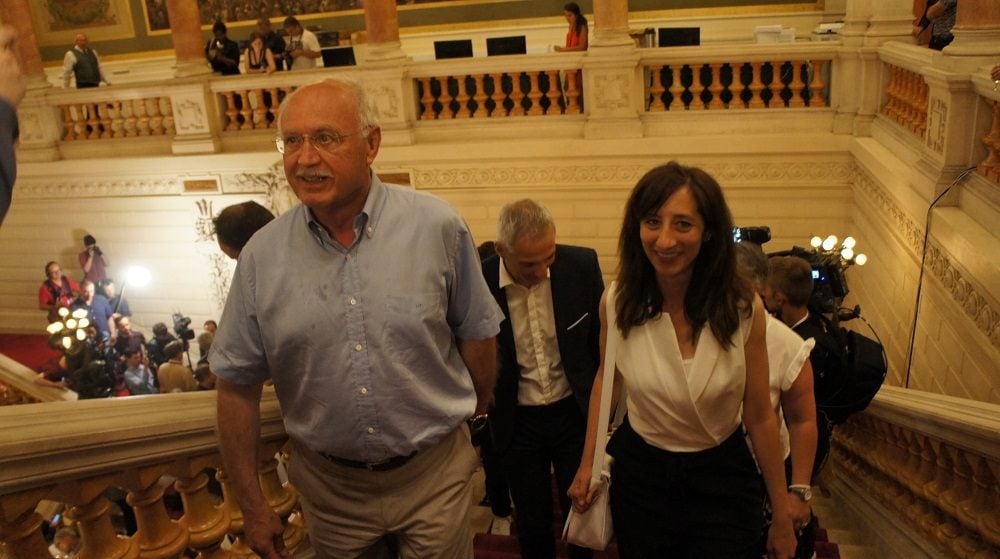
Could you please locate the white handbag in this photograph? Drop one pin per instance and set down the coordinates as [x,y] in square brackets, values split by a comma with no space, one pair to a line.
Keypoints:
[593,528]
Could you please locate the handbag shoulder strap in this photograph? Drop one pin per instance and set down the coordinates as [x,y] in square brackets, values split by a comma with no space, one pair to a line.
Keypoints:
[610,353]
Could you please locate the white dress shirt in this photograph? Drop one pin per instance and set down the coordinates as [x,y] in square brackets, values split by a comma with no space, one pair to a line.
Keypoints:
[543,379]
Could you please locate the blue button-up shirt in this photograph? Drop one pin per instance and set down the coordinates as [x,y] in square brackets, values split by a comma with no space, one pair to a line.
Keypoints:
[360,340]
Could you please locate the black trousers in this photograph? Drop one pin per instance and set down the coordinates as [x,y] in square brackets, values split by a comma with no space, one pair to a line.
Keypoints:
[705,505]
[546,439]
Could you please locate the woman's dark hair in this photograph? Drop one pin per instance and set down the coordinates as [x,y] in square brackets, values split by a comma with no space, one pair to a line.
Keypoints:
[254,35]
[579,22]
[219,26]
[717,294]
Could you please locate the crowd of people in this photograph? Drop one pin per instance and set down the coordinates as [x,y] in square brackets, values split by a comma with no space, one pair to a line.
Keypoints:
[266,51]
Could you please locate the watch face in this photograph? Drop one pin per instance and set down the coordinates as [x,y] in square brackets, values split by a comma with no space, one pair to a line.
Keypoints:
[805,493]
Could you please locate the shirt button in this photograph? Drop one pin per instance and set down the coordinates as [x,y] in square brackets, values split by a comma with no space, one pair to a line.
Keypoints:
[371,430]
[364,390]
[359,347]
[370,229]
[354,301]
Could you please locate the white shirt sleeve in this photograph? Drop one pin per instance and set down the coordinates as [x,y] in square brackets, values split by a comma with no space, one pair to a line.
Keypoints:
[100,69]
[68,62]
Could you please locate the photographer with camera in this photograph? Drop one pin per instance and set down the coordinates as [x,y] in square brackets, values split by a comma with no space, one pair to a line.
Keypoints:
[222,52]
[92,260]
[303,46]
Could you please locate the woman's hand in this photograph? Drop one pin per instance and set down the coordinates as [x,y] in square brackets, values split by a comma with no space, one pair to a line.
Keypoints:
[781,539]
[581,492]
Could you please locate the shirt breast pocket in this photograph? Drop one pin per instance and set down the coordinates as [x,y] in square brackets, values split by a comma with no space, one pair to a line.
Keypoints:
[413,325]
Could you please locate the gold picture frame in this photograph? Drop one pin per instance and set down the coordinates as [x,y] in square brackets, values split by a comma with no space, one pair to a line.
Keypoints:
[57,22]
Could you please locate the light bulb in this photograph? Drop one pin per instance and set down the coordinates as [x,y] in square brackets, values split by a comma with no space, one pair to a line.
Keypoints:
[80,313]
[54,327]
[860,259]
[67,341]
[815,242]
[138,276]
[830,242]
[81,335]
[847,254]
[63,311]
[83,323]
[71,323]
[849,242]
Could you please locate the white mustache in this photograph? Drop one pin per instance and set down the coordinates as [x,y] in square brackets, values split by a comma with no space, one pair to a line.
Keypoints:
[313,175]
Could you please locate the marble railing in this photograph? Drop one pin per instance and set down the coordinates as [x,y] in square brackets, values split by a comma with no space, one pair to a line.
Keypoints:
[18,386]
[930,461]
[73,453]
[989,93]
[738,77]
[906,100]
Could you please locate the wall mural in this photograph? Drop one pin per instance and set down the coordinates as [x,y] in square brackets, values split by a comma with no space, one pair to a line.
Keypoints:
[250,10]
[57,22]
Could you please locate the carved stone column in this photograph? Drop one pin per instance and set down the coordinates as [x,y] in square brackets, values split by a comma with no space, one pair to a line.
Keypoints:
[382,26]
[610,24]
[977,31]
[185,29]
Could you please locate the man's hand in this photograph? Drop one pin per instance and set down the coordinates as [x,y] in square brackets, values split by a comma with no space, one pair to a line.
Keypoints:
[263,532]
[12,82]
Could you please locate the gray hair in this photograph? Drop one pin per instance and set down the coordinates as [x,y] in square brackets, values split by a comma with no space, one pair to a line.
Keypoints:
[367,111]
[522,218]
[752,263]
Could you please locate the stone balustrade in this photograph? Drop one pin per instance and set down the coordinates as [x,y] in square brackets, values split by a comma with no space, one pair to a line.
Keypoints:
[75,452]
[906,99]
[989,93]
[931,461]
[18,386]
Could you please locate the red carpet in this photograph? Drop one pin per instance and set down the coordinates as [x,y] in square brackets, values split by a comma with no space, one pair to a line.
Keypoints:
[31,350]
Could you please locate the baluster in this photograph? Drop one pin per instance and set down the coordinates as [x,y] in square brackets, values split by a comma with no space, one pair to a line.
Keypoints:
[238,548]
[892,94]
[207,523]
[676,89]
[246,110]
[272,108]
[461,85]
[168,117]
[697,88]
[923,95]
[260,109]
[572,94]
[715,88]
[427,100]
[143,119]
[929,519]
[990,167]
[158,535]
[231,112]
[971,509]
[117,123]
[757,86]
[94,523]
[816,84]
[534,95]
[281,498]
[93,122]
[447,98]
[552,93]
[69,132]
[129,119]
[155,117]
[656,89]
[516,95]
[105,120]
[23,538]
[497,82]
[989,521]
[797,86]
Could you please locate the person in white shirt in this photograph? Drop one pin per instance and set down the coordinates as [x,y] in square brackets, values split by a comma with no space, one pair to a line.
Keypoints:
[303,46]
[82,62]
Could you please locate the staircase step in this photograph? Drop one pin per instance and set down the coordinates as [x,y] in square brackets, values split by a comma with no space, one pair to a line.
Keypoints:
[854,551]
[846,537]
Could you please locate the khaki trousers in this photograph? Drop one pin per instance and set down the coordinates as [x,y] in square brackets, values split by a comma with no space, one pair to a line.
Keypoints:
[425,503]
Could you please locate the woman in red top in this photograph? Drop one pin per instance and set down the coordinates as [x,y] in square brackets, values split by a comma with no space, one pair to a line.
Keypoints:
[576,37]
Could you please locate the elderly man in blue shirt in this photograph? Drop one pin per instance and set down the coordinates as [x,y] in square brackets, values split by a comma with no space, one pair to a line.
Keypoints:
[366,307]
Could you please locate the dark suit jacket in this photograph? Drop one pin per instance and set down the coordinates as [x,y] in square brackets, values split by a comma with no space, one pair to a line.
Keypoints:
[577,286]
[8,163]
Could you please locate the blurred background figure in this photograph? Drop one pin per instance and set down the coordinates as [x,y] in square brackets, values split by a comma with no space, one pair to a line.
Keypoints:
[81,62]
[12,89]
[92,260]
[237,223]
[576,37]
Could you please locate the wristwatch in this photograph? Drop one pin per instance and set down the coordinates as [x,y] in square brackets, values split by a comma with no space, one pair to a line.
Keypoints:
[477,422]
[803,492]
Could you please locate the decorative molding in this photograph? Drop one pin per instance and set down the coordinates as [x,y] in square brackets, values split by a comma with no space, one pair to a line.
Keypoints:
[729,174]
[613,90]
[966,295]
[108,186]
[937,120]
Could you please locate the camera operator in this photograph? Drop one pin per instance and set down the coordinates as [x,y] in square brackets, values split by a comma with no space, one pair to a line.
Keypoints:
[222,52]
[92,260]
[303,46]
[786,296]
[161,337]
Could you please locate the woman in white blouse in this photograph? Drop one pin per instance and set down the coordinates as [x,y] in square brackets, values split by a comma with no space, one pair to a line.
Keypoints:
[693,362]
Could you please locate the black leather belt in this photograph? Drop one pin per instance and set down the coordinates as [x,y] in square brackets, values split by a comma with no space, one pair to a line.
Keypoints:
[383,466]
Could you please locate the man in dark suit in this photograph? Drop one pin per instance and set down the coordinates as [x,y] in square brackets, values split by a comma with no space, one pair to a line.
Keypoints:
[549,351]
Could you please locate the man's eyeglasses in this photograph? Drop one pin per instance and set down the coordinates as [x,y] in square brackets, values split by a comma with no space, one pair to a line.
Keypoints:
[53,271]
[323,141]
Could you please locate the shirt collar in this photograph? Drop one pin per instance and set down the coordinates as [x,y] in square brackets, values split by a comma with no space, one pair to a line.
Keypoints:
[365,222]
[506,279]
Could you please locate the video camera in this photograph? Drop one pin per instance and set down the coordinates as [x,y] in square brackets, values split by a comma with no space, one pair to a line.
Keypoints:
[182,327]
